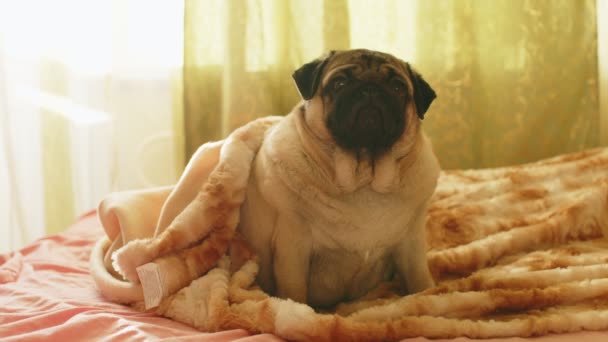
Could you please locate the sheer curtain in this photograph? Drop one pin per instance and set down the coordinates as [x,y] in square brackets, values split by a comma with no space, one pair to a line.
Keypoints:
[516,80]
[108,95]
[602,38]
[89,98]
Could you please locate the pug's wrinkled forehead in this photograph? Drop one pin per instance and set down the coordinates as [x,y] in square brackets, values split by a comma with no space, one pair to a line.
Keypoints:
[363,63]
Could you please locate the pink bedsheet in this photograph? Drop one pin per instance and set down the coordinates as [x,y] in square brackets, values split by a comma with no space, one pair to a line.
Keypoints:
[46,293]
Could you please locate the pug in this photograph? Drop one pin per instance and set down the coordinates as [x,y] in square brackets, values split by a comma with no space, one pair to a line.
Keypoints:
[336,203]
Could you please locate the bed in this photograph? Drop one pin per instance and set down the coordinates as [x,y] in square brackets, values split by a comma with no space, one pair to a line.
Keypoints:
[515,251]
[47,294]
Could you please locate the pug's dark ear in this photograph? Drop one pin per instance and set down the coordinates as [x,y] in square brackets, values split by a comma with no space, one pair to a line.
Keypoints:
[308,76]
[423,93]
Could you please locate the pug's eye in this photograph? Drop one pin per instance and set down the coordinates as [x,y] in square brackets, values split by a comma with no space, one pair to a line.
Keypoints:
[339,82]
[398,86]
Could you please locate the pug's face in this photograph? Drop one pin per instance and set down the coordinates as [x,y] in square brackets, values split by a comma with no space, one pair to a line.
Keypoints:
[363,98]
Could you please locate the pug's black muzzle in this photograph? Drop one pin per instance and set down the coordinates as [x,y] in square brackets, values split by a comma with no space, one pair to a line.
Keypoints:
[367,118]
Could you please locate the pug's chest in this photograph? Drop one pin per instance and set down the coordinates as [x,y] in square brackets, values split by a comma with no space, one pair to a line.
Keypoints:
[353,239]
[359,223]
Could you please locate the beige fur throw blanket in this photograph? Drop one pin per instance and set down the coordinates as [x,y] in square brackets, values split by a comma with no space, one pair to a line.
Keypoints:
[516,251]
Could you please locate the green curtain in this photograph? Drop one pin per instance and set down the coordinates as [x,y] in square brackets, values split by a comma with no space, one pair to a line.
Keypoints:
[516,79]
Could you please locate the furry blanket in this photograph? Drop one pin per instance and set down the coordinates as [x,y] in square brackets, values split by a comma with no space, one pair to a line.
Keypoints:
[516,251]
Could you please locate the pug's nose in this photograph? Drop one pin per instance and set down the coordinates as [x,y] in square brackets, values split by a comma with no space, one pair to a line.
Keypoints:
[369,91]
